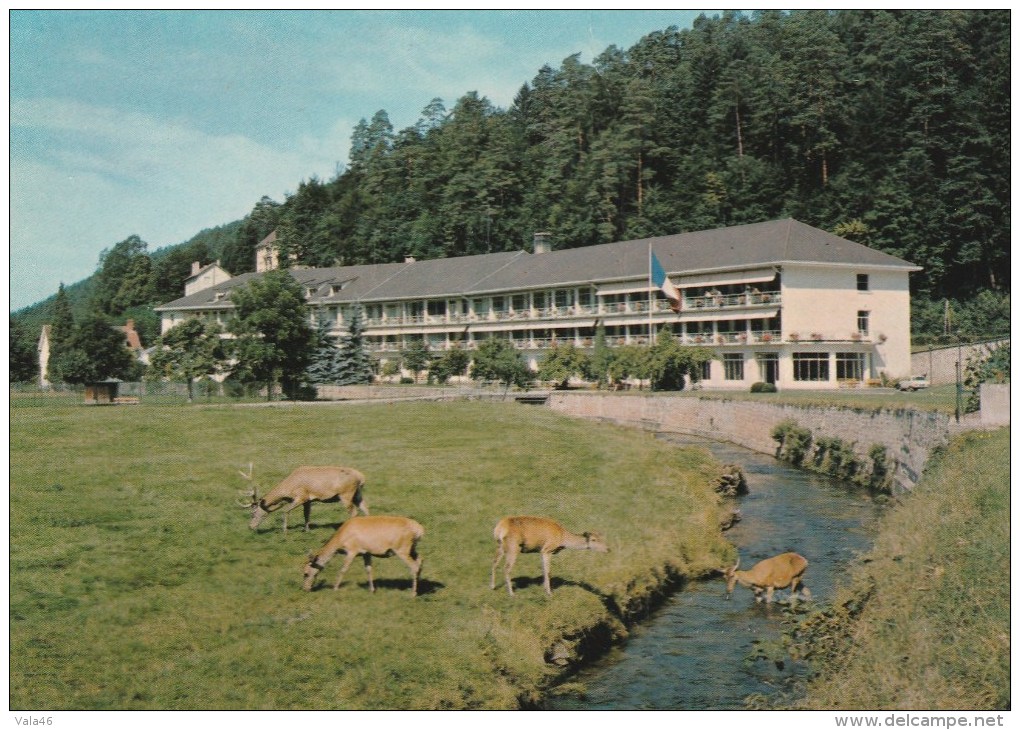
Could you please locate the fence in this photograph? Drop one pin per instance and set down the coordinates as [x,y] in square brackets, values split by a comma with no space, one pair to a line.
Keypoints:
[939,361]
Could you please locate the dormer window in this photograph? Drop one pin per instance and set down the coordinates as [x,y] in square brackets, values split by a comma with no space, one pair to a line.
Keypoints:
[862,282]
[219,296]
[337,287]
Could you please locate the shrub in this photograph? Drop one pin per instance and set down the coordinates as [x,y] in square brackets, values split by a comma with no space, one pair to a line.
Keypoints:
[880,478]
[763,387]
[840,460]
[794,441]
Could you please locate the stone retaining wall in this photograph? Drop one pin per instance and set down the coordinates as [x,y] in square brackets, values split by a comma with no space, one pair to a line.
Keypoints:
[995,404]
[909,436]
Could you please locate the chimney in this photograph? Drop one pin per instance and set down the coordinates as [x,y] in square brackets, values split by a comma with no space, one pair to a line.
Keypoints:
[542,244]
[195,267]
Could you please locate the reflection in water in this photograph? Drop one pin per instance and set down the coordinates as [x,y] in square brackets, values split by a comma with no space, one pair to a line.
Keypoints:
[693,653]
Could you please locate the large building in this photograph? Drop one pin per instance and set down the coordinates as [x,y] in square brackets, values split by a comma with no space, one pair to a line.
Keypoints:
[779,302]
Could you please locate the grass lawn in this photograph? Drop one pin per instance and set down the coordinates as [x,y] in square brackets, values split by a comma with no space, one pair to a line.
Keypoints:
[925,624]
[136,584]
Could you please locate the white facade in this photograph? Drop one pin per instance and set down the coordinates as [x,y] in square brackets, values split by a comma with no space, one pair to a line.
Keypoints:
[777,313]
[204,277]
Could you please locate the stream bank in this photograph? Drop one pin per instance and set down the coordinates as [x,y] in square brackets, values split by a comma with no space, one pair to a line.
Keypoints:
[693,650]
[909,437]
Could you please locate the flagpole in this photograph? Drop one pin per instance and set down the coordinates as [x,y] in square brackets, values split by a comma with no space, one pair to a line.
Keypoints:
[650,293]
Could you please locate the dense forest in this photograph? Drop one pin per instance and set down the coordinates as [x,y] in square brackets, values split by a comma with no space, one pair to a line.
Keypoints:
[891,128]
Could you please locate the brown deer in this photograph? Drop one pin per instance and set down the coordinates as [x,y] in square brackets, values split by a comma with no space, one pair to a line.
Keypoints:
[524,534]
[379,536]
[305,485]
[781,571]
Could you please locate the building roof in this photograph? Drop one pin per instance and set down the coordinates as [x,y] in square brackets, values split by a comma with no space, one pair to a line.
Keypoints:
[737,247]
[134,342]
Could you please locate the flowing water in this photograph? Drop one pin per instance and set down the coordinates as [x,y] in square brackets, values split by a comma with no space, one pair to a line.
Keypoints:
[693,653]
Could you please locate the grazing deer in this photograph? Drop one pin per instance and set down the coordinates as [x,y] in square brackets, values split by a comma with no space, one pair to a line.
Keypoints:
[786,570]
[379,536]
[305,485]
[515,535]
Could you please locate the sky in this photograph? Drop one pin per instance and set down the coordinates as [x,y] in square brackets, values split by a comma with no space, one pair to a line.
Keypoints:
[164,123]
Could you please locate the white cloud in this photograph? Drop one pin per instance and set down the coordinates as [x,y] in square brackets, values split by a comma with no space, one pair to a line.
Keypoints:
[84,177]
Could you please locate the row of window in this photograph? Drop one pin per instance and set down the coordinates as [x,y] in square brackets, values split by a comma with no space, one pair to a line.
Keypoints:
[807,366]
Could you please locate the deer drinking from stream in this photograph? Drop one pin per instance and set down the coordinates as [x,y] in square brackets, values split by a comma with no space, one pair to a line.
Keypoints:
[305,485]
[516,535]
[781,571]
[379,536]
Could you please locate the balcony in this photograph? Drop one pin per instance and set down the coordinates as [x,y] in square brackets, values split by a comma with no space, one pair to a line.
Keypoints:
[730,301]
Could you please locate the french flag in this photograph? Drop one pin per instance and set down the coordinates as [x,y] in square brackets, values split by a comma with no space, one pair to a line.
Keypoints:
[662,281]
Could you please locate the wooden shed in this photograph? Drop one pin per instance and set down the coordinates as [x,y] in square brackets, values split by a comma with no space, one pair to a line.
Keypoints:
[103,392]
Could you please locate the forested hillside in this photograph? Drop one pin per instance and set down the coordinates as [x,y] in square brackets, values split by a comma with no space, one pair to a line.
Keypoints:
[891,128]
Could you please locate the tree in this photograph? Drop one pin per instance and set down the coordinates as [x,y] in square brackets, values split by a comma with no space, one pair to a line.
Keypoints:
[561,363]
[239,255]
[273,335]
[669,362]
[62,326]
[354,366]
[22,355]
[323,362]
[454,361]
[94,352]
[189,351]
[124,277]
[628,361]
[601,357]
[496,359]
[417,357]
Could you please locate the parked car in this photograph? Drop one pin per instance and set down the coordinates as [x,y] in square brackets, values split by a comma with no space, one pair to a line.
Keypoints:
[913,383]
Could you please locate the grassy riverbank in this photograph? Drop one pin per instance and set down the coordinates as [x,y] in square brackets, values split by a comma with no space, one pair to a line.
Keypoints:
[135,583]
[924,624]
[941,398]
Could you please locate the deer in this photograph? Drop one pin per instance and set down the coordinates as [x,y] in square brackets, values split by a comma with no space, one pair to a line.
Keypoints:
[526,534]
[781,571]
[305,485]
[376,536]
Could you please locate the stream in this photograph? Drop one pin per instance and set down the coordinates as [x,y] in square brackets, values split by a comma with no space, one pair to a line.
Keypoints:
[692,653]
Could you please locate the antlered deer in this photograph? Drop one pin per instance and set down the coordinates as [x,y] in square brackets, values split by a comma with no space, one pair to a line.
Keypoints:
[379,536]
[305,485]
[524,534]
[782,571]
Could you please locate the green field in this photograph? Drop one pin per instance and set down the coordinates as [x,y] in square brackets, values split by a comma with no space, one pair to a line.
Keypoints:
[136,584]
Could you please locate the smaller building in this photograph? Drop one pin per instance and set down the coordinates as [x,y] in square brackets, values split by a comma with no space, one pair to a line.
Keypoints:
[267,255]
[204,277]
[102,393]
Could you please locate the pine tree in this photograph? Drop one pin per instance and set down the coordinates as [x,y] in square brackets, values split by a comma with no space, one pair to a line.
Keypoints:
[22,356]
[62,326]
[324,366]
[354,366]
[601,357]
